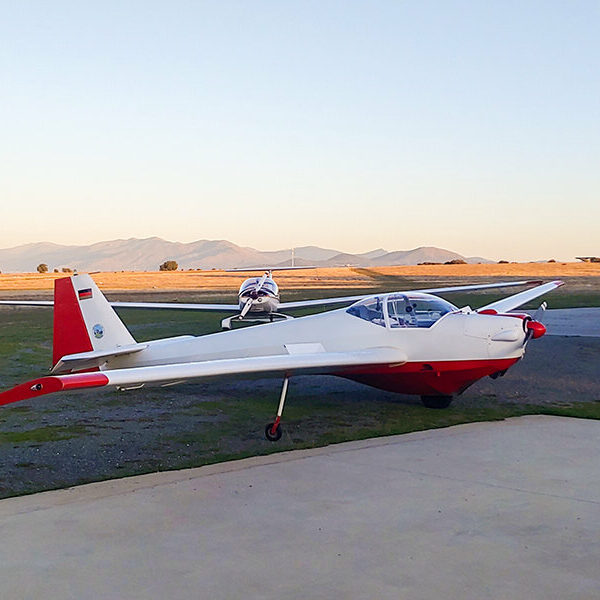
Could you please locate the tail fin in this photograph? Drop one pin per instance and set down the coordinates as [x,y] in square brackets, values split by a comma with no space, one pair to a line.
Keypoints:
[83,319]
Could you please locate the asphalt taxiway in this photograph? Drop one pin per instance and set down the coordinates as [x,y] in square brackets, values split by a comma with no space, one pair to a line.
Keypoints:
[573,321]
[486,510]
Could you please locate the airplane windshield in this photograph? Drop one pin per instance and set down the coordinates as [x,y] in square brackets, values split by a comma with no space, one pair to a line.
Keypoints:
[401,310]
[416,311]
[370,309]
[268,286]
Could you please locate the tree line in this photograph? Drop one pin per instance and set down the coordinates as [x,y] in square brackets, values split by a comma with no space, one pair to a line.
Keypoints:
[168,265]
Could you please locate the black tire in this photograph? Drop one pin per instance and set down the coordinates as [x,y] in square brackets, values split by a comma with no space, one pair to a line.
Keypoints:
[436,401]
[270,436]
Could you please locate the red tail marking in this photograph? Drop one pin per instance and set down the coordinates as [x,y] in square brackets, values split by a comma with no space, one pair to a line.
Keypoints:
[70,334]
[49,385]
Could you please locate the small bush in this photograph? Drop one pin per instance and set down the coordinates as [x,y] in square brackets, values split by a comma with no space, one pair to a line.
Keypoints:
[168,265]
[42,268]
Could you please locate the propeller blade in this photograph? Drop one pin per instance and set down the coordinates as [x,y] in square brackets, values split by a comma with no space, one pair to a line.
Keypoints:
[539,313]
[246,308]
[262,281]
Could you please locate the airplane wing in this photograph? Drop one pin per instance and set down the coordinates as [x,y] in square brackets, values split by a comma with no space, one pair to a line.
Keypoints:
[512,302]
[294,363]
[27,302]
[263,269]
[152,305]
[459,288]
[283,305]
[322,302]
[178,306]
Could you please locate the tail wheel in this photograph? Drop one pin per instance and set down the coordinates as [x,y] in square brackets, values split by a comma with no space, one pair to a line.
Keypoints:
[436,401]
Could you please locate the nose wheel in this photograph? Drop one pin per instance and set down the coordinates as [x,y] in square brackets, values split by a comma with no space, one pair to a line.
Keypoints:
[273,430]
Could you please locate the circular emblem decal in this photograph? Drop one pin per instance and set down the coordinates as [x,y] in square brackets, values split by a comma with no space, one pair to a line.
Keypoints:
[98,331]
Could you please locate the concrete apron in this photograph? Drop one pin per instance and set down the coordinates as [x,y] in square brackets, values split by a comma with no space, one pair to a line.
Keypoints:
[488,510]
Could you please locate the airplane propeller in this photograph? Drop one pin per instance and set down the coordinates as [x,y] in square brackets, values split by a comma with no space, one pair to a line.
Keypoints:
[535,326]
[254,295]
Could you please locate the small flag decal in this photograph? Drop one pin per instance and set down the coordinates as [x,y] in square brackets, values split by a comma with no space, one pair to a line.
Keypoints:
[83,294]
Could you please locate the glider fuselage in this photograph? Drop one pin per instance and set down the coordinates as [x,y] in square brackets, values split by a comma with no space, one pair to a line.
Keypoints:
[443,358]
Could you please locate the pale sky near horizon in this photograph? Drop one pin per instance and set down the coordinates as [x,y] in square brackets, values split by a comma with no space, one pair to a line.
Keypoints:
[472,126]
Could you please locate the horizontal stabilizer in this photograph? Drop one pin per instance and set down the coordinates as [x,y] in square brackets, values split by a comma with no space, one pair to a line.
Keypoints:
[83,361]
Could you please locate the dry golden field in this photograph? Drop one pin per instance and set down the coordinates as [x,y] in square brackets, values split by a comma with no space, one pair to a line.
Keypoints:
[322,278]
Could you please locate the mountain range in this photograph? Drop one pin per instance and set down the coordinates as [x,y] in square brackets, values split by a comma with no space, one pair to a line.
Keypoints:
[148,253]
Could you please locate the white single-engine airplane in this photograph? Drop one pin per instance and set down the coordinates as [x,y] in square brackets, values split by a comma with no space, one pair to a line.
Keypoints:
[258,298]
[410,342]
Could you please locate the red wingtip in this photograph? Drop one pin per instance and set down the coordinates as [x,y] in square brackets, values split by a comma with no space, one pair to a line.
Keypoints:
[51,384]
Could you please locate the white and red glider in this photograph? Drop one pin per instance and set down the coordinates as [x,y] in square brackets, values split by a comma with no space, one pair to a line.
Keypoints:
[411,342]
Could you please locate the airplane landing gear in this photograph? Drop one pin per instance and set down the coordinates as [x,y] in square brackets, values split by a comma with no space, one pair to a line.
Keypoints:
[436,401]
[273,437]
[273,430]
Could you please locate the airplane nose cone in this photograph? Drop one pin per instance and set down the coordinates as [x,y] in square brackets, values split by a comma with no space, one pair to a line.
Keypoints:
[537,329]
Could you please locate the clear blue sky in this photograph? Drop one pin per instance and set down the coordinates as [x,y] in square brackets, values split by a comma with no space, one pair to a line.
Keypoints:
[473,126]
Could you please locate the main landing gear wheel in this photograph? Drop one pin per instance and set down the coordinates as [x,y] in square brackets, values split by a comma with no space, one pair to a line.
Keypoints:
[436,401]
[273,437]
[273,430]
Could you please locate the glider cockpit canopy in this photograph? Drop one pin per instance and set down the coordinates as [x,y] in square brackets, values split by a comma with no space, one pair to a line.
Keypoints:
[402,310]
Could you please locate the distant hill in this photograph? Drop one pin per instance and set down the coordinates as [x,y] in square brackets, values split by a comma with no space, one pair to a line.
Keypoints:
[147,254]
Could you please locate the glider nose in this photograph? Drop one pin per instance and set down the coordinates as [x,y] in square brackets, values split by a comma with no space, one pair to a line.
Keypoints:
[536,329]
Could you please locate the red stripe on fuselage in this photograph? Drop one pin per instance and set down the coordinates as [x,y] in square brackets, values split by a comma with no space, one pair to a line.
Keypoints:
[427,378]
[70,334]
